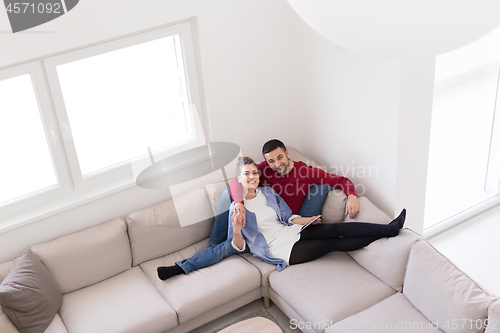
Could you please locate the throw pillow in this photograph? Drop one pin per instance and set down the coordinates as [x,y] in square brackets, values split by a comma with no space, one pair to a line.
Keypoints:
[30,296]
[315,198]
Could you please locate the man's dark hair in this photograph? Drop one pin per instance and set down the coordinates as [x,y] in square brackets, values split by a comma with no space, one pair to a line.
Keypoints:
[271,145]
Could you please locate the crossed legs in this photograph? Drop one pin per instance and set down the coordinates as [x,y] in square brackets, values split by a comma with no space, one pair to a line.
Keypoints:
[318,240]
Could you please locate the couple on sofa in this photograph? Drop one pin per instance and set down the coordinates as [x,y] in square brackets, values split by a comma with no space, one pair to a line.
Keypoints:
[271,225]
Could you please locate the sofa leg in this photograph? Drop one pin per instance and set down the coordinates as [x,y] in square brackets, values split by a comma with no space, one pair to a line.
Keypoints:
[267,302]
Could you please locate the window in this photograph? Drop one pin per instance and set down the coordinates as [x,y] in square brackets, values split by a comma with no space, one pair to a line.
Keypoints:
[464,166]
[27,167]
[112,102]
[32,165]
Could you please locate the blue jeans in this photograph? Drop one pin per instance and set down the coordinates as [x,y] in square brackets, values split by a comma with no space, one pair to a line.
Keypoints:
[221,248]
[219,230]
[208,257]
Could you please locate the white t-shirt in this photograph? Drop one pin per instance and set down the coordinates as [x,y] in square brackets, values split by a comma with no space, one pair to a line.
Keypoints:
[280,238]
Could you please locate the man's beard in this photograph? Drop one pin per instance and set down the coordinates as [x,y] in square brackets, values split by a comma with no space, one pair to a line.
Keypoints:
[284,169]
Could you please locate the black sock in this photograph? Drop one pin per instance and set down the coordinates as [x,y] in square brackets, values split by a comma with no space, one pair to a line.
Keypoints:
[165,272]
[397,223]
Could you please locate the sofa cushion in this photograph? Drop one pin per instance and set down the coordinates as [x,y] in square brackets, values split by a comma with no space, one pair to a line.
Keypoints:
[87,257]
[330,288]
[156,231]
[493,323]
[29,295]
[393,314]
[125,303]
[387,258]
[264,268]
[6,326]
[441,291]
[205,289]
[368,212]
[56,326]
[333,210]
[214,192]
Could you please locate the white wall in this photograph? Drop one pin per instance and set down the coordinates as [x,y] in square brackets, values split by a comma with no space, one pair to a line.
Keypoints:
[414,131]
[369,119]
[350,106]
[248,52]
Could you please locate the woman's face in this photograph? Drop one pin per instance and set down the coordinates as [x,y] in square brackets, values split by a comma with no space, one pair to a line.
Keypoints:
[249,176]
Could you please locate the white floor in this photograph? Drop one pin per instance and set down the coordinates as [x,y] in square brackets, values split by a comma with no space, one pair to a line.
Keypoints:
[474,247]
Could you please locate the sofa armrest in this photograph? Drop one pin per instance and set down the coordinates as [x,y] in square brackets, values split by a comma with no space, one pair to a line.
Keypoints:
[493,323]
[369,212]
[442,292]
[387,258]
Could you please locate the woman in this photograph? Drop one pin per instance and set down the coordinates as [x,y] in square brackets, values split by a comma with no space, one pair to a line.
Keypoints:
[274,235]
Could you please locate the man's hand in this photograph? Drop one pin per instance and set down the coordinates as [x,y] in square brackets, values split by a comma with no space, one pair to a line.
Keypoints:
[352,206]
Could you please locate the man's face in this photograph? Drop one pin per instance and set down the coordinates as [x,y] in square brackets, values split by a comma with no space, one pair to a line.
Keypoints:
[278,160]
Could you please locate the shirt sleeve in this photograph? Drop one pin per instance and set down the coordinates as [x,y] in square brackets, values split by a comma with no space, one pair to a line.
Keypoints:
[236,248]
[318,176]
[292,217]
[236,191]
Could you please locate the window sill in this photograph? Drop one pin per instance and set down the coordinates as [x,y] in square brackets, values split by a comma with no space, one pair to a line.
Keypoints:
[63,203]
[460,218]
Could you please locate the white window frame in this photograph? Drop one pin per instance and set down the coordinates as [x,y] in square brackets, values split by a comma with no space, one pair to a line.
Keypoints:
[52,136]
[74,191]
[183,29]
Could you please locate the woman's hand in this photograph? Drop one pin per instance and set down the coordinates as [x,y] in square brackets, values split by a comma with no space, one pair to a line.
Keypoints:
[238,221]
[240,207]
[306,220]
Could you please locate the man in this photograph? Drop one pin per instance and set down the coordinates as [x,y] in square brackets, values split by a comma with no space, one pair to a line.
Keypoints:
[290,179]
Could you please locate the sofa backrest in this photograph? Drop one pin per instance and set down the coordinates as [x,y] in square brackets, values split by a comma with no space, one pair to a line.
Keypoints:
[296,155]
[6,326]
[214,193]
[7,266]
[443,293]
[156,231]
[87,257]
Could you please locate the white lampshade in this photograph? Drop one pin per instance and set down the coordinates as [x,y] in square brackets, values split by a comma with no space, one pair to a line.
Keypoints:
[400,28]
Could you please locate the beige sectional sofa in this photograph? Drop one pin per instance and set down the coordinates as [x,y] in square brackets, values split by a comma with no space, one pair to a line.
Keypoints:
[108,281]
